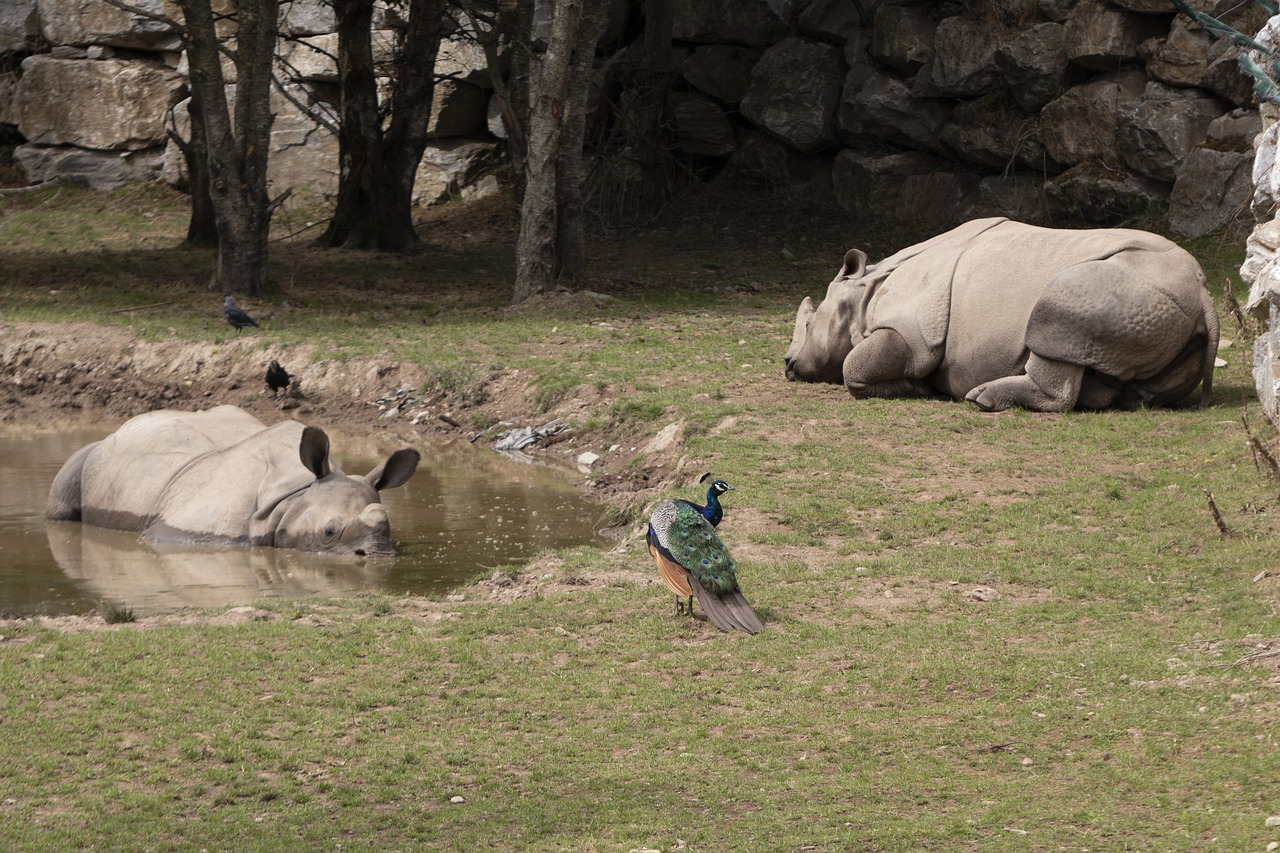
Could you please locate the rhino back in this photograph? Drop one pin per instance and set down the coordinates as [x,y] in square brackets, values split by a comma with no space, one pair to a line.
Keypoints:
[124,475]
[216,497]
[1127,316]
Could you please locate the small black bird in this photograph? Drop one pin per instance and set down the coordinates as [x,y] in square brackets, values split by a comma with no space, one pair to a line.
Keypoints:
[235,316]
[277,377]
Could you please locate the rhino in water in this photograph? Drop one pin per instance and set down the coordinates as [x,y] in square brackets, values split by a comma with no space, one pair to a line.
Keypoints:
[222,476]
[1007,314]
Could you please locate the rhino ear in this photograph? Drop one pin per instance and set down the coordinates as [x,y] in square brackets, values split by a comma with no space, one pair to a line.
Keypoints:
[396,471]
[314,451]
[855,263]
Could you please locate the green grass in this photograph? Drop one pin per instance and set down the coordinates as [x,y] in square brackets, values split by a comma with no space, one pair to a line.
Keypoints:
[983,632]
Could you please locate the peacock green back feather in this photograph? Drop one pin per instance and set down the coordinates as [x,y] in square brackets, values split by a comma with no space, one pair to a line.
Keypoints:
[688,538]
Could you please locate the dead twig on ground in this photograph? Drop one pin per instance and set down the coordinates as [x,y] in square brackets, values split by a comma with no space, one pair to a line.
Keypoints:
[1217,516]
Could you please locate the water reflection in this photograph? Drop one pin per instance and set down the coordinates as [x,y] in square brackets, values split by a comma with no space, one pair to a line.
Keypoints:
[117,566]
[464,512]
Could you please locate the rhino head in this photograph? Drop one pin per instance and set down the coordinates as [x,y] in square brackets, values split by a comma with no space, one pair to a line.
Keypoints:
[823,336]
[337,513]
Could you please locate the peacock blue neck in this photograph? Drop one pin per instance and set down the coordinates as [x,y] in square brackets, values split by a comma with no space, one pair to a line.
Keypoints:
[713,512]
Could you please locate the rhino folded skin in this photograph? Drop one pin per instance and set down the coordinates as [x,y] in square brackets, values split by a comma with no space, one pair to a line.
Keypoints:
[1008,314]
[224,477]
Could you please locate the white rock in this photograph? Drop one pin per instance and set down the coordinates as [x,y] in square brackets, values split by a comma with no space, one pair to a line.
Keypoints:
[587,458]
[1274,820]
[457,800]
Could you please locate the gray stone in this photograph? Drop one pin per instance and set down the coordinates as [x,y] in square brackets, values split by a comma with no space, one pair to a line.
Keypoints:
[1017,195]
[701,127]
[19,26]
[1211,190]
[1235,131]
[870,186]
[992,132]
[1179,58]
[794,91]
[458,109]
[1224,77]
[754,23]
[86,22]
[1097,193]
[112,104]
[902,38]
[307,17]
[964,57]
[720,70]
[1266,368]
[1081,124]
[449,166]
[463,60]
[1034,65]
[878,106]
[1102,37]
[98,170]
[1157,132]
[829,20]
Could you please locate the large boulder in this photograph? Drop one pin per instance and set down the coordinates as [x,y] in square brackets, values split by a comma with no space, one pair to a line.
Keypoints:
[1081,125]
[1034,64]
[990,131]
[795,88]
[1157,131]
[880,106]
[99,170]
[964,57]
[108,106]
[19,25]
[702,128]
[902,38]
[722,71]
[94,22]
[753,23]
[1214,184]
[1102,192]
[1102,37]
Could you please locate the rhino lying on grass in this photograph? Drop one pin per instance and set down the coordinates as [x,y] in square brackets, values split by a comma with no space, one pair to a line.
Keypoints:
[1007,314]
[223,476]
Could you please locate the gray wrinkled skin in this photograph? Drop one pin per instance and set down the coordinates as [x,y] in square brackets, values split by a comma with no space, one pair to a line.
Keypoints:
[222,476]
[1006,314]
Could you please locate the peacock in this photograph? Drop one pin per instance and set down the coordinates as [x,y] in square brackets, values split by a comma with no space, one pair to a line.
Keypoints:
[692,560]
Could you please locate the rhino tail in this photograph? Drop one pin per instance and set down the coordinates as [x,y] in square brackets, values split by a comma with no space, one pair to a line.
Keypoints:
[1211,346]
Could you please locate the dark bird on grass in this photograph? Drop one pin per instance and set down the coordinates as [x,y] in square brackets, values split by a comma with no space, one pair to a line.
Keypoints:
[277,377]
[234,315]
[692,560]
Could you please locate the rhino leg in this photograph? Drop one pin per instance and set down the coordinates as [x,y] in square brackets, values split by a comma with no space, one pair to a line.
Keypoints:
[878,366]
[1047,386]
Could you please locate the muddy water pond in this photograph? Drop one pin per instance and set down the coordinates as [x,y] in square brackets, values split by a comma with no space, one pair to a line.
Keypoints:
[465,511]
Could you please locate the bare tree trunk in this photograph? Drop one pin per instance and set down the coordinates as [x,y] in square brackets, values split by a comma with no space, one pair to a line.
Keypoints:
[237,146]
[548,93]
[375,190]
[571,244]
[202,229]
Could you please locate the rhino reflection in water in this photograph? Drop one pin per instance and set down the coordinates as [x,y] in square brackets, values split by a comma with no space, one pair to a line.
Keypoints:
[115,565]
[224,477]
[1006,314]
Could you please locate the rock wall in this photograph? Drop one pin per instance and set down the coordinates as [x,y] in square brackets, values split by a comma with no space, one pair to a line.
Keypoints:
[1261,268]
[920,112]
